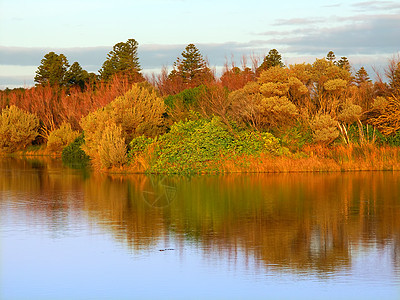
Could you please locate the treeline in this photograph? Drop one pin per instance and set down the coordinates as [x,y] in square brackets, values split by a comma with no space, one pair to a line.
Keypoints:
[190,120]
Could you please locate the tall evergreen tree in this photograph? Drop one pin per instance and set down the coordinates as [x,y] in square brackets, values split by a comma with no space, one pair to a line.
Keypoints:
[52,69]
[192,67]
[331,56]
[361,76]
[344,63]
[122,59]
[76,76]
[273,59]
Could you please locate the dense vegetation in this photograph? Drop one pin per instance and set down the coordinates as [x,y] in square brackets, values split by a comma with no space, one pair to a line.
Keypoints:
[190,121]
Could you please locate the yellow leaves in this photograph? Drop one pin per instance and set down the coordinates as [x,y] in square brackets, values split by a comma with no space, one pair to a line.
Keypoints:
[61,137]
[335,85]
[350,114]
[279,105]
[112,147]
[252,88]
[18,128]
[324,129]
[139,111]
[274,74]
[270,89]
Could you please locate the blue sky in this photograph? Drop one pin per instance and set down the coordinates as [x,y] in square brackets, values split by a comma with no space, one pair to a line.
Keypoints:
[366,32]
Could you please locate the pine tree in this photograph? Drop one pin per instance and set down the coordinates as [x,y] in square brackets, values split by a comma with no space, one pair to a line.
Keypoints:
[344,63]
[122,59]
[273,59]
[362,76]
[52,69]
[191,68]
[331,57]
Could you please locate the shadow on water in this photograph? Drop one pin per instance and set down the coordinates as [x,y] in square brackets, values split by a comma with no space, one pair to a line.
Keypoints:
[289,221]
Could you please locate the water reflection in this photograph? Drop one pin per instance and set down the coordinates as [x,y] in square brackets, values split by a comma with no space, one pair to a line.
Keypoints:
[298,223]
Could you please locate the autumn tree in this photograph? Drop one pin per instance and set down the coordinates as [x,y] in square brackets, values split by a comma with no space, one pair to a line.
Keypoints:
[235,78]
[123,59]
[329,85]
[273,59]
[52,69]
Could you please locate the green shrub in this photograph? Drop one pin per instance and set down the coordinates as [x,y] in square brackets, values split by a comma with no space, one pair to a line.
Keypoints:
[17,129]
[139,145]
[61,137]
[73,155]
[201,146]
[189,98]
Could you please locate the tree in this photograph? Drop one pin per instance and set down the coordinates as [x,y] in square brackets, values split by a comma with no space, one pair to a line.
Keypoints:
[331,56]
[362,76]
[273,59]
[189,71]
[344,63]
[122,59]
[193,67]
[52,69]
[76,76]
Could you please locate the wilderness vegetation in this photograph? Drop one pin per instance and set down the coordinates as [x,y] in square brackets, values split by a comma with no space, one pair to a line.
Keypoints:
[267,118]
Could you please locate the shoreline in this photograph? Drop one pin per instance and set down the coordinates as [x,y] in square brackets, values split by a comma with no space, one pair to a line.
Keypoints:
[312,160]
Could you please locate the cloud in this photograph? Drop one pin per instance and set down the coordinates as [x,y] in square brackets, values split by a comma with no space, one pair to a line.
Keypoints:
[25,56]
[377,5]
[359,34]
[299,21]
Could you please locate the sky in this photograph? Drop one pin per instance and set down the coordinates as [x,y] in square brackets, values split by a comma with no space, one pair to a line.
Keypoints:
[366,32]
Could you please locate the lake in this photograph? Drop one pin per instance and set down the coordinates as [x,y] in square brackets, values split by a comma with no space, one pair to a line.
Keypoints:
[73,234]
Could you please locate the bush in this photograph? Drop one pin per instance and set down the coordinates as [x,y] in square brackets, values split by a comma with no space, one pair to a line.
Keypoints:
[112,147]
[138,112]
[17,129]
[324,129]
[201,146]
[61,137]
[350,114]
[73,155]
[139,145]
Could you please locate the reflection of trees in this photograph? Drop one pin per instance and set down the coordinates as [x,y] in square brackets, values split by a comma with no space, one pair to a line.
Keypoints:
[300,221]
[47,190]
[294,220]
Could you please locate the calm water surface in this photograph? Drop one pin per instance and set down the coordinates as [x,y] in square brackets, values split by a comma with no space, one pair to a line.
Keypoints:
[71,234]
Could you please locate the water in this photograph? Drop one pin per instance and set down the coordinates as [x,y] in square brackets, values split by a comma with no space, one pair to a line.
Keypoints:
[71,234]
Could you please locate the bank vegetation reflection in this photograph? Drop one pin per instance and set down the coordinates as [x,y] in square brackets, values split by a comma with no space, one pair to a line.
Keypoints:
[294,221]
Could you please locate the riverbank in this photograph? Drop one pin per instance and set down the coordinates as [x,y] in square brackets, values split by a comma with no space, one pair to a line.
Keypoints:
[313,158]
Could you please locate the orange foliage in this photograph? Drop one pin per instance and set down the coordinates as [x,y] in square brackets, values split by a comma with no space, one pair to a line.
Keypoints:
[53,105]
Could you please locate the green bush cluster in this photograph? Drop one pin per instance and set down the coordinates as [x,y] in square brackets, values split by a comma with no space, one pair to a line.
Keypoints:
[202,145]
[138,145]
[187,98]
[73,155]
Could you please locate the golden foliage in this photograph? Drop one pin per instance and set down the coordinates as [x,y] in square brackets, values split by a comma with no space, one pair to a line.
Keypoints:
[388,122]
[324,129]
[350,114]
[139,111]
[61,137]
[112,148]
[18,129]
